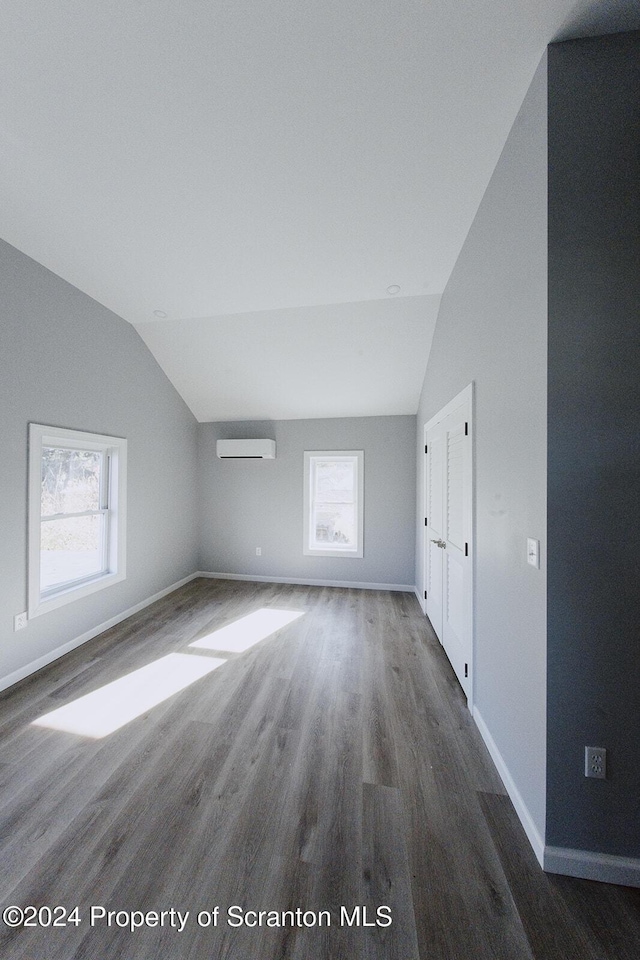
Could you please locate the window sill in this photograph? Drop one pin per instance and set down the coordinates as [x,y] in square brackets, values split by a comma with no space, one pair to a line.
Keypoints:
[345,554]
[69,594]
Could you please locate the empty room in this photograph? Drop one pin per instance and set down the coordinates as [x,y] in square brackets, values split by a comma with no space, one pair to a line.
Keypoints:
[319,382]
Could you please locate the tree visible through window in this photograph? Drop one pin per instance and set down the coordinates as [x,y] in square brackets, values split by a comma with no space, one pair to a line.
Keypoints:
[333,503]
[76,514]
[73,508]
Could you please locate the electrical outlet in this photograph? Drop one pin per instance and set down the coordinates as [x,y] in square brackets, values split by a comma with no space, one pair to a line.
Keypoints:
[595,762]
[258,551]
[20,621]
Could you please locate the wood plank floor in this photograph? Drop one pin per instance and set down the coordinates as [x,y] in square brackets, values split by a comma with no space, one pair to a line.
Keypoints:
[333,764]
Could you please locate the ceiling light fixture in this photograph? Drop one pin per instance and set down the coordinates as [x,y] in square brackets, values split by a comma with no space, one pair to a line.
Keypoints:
[160,314]
[393,290]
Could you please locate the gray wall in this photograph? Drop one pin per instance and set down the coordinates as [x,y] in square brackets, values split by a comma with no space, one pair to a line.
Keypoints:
[491,329]
[246,504]
[67,361]
[594,441]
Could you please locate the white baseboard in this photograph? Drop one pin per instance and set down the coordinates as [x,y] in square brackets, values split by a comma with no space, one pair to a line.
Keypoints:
[593,866]
[521,808]
[396,587]
[421,600]
[48,658]
[585,864]
[30,668]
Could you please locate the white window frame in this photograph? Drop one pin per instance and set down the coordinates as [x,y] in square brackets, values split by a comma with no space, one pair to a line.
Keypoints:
[114,507]
[331,550]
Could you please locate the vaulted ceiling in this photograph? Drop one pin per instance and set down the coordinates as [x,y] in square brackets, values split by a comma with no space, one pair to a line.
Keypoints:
[260,185]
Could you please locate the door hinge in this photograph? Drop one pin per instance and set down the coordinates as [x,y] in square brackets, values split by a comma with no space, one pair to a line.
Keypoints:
[466,429]
[425,522]
[466,549]
[426,447]
[466,669]
[425,594]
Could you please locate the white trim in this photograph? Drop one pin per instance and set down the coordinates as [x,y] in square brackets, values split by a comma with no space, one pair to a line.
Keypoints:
[116,551]
[48,658]
[395,587]
[466,397]
[35,665]
[585,864]
[588,865]
[421,600]
[532,832]
[356,552]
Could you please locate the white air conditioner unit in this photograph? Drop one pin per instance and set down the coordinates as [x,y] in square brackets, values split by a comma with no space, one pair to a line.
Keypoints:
[246,449]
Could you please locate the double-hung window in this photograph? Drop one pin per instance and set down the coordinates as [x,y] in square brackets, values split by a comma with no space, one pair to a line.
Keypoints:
[77,502]
[333,503]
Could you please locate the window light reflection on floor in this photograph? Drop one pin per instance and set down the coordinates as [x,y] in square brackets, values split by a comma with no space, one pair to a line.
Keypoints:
[110,707]
[247,631]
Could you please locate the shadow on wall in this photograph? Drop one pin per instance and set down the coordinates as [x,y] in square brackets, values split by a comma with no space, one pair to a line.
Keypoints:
[612,16]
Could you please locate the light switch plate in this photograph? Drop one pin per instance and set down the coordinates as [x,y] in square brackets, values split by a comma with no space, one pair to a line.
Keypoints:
[533,552]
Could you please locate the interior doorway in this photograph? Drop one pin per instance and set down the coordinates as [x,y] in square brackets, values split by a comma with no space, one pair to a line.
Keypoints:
[448,551]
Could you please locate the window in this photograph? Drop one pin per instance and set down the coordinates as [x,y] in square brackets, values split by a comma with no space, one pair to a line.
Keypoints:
[76,515]
[333,503]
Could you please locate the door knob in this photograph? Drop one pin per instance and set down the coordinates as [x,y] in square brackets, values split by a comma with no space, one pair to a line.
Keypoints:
[441,543]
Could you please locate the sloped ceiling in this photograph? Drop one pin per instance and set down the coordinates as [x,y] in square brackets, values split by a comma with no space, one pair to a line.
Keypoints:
[185,163]
[346,360]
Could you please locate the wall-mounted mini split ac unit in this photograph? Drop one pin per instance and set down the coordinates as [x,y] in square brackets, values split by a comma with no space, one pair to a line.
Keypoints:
[246,449]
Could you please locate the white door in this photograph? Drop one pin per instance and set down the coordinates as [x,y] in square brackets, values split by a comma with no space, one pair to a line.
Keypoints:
[448,529]
[434,527]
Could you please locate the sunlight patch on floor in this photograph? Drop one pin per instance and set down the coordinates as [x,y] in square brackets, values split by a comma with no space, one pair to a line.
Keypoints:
[247,631]
[110,707]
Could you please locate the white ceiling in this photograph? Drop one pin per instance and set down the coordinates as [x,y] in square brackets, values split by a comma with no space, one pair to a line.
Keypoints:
[254,157]
[347,360]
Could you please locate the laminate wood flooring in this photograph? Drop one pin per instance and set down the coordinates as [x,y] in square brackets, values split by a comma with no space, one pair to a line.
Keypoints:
[331,768]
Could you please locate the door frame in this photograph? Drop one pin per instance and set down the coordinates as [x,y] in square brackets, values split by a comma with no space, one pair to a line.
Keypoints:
[465,396]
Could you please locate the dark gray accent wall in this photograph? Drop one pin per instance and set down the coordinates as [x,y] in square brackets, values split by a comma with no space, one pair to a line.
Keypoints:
[67,361]
[246,504]
[594,442]
[492,330]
